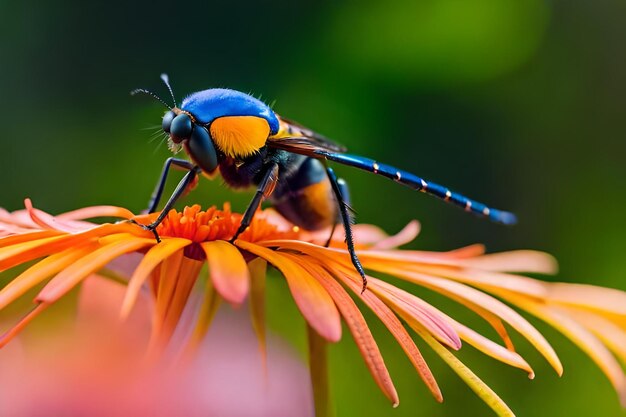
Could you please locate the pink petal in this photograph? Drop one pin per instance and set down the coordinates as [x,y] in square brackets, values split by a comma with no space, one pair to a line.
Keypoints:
[96,211]
[406,235]
[46,221]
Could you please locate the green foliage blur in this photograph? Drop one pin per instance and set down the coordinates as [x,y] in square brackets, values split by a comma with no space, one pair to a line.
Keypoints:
[519,104]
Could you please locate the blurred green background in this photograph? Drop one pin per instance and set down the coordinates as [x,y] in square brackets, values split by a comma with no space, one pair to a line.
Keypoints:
[519,104]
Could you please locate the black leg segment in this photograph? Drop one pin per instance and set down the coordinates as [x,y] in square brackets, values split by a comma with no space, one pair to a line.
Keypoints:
[345,193]
[265,188]
[346,219]
[180,189]
[158,190]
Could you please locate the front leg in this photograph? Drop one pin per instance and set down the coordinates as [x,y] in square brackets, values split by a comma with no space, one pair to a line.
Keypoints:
[178,192]
[158,190]
[265,189]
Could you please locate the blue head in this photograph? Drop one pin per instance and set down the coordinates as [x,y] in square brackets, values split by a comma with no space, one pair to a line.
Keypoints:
[218,121]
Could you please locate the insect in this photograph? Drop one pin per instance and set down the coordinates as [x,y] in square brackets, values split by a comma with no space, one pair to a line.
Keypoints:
[250,145]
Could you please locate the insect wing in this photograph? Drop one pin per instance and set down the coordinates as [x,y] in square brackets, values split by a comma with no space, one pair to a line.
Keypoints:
[294,137]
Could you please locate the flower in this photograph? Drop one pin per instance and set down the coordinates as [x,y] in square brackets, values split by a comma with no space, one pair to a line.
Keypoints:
[323,284]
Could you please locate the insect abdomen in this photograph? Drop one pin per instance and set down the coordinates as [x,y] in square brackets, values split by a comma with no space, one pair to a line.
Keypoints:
[306,198]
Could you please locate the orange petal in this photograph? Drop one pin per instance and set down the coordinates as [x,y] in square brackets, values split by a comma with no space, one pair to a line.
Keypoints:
[514,261]
[166,286]
[479,298]
[490,348]
[27,251]
[184,278]
[39,272]
[462,292]
[21,252]
[416,311]
[404,258]
[27,237]
[15,330]
[476,384]
[398,331]
[488,280]
[228,270]
[470,251]
[358,327]
[475,339]
[206,314]
[592,297]
[580,336]
[312,299]
[153,257]
[463,295]
[257,268]
[612,335]
[70,277]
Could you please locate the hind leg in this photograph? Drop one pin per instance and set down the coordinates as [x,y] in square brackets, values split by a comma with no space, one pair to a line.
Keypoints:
[345,194]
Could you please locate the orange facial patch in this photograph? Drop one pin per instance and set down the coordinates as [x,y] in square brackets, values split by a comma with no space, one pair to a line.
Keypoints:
[239,136]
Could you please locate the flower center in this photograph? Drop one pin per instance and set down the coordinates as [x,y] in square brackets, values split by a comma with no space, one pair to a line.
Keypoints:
[214,224]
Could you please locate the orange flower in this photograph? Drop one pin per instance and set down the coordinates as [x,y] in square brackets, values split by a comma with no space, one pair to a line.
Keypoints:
[323,284]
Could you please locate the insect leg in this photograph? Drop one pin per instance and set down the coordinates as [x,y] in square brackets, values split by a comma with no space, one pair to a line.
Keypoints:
[264,190]
[330,237]
[413,181]
[158,190]
[346,219]
[180,189]
[345,193]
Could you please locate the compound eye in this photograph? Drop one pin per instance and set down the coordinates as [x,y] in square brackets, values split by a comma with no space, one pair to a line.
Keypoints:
[181,127]
[201,149]
[167,121]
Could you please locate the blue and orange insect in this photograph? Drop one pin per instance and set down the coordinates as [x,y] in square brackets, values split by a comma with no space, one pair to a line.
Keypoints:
[250,145]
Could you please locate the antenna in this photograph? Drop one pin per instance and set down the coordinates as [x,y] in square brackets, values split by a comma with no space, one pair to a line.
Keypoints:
[166,80]
[150,93]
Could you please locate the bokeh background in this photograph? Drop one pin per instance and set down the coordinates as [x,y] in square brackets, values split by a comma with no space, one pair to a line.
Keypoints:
[520,104]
